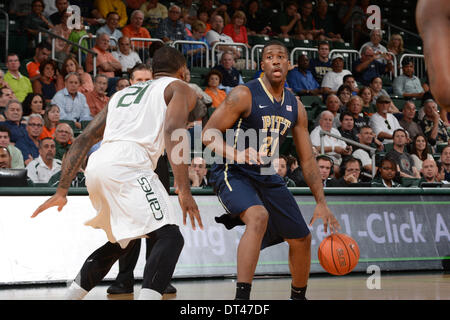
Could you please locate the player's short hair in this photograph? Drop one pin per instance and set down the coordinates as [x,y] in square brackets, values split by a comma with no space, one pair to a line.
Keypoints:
[167,60]
[139,67]
[274,43]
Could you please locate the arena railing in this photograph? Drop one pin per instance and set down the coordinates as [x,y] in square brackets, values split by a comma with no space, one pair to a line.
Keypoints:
[419,64]
[143,53]
[256,51]
[55,36]
[176,43]
[371,150]
[3,12]
[350,56]
[310,52]
[230,44]
[90,44]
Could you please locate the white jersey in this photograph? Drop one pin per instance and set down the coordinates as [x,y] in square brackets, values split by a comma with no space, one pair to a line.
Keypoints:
[136,114]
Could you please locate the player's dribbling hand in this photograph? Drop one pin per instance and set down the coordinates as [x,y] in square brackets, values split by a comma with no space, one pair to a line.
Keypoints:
[249,156]
[189,206]
[56,200]
[329,220]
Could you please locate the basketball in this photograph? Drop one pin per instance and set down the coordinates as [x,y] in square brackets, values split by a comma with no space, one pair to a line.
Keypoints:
[338,254]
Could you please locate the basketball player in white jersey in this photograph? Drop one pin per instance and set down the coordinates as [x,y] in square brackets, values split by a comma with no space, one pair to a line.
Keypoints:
[130,200]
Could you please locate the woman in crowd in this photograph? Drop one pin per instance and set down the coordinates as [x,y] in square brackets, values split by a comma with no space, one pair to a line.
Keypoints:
[387,174]
[344,94]
[46,84]
[33,104]
[395,46]
[420,150]
[367,96]
[236,29]
[376,85]
[213,80]
[71,65]
[51,120]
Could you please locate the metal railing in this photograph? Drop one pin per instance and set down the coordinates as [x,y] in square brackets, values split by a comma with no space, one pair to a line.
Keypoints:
[142,53]
[191,57]
[256,50]
[310,52]
[370,150]
[419,64]
[55,36]
[3,12]
[90,45]
[230,44]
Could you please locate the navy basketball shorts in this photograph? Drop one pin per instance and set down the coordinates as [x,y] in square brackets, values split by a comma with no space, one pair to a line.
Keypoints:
[238,191]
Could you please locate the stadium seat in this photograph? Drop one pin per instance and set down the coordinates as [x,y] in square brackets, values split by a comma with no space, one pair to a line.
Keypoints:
[311,100]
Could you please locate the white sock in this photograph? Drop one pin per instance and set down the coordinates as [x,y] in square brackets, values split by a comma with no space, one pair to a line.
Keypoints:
[75,292]
[149,294]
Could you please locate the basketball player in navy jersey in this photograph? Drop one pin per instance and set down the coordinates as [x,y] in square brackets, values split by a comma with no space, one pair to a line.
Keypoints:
[250,196]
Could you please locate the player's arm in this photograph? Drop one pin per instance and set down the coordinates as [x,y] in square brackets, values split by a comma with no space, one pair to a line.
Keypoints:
[180,99]
[311,170]
[73,160]
[237,104]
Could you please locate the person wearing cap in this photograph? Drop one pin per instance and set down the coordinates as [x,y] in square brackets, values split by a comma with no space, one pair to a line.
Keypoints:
[335,78]
[382,122]
[432,125]
[408,85]
[368,67]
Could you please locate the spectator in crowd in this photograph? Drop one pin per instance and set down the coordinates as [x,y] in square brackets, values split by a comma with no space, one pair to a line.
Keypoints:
[14,152]
[333,105]
[306,28]
[154,12]
[111,29]
[19,84]
[407,85]
[172,28]
[294,171]
[213,80]
[354,106]
[97,99]
[13,117]
[368,107]
[29,145]
[368,67]
[349,80]
[42,53]
[63,139]
[122,83]
[45,85]
[386,174]
[322,64]
[334,79]
[6,95]
[62,48]
[420,150]
[350,174]
[326,165]
[257,22]
[134,29]
[61,6]
[196,53]
[33,104]
[432,125]
[351,15]
[280,166]
[402,158]
[395,46]
[72,103]
[233,6]
[106,63]
[106,6]
[71,65]
[216,35]
[203,16]
[89,13]
[203,102]
[376,85]
[41,169]
[51,120]
[236,29]
[344,93]
[333,147]
[284,23]
[376,35]
[35,20]
[347,127]
[429,171]
[366,137]
[198,173]
[126,57]
[301,80]
[231,76]
[77,32]
[5,158]
[191,10]
[382,122]
[408,119]
[326,21]
[445,161]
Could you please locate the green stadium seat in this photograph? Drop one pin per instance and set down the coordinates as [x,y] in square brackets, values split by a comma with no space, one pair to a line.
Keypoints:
[341,45]
[409,182]
[311,100]
[254,40]
[303,43]
[288,42]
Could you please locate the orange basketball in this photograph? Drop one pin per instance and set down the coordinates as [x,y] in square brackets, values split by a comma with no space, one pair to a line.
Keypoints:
[338,254]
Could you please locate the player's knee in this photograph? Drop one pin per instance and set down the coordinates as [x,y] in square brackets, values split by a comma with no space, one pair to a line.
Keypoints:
[257,219]
[300,242]
[173,237]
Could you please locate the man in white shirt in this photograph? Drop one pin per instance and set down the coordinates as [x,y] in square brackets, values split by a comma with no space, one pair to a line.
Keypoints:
[216,35]
[382,122]
[375,39]
[335,78]
[40,170]
[127,57]
[366,137]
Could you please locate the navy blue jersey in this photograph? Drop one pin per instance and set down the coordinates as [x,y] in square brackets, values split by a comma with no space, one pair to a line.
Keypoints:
[269,122]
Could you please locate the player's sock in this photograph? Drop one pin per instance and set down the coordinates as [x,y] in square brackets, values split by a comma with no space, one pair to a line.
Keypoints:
[149,294]
[298,293]
[75,292]
[243,291]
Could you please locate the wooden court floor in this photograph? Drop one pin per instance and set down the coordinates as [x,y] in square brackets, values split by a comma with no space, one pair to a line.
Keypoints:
[392,286]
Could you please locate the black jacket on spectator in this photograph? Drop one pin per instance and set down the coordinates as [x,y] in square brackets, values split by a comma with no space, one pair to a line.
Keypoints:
[230,78]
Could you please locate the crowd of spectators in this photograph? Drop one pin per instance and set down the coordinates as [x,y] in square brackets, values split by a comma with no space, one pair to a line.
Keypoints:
[45,103]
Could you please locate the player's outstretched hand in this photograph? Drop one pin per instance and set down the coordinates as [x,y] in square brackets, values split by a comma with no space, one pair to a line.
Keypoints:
[57,200]
[329,220]
[189,206]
